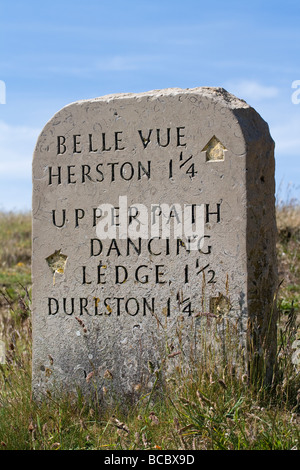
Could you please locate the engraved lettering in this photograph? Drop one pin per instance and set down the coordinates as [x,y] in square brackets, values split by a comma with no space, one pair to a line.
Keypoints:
[76,143]
[61,148]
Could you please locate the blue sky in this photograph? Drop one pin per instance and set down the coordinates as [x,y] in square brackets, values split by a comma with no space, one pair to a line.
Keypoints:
[54,53]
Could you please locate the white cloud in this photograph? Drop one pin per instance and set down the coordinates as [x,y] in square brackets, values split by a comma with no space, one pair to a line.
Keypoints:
[129,62]
[16,148]
[119,63]
[287,137]
[250,90]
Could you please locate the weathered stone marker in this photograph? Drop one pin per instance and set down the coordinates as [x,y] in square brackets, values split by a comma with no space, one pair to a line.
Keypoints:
[119,276]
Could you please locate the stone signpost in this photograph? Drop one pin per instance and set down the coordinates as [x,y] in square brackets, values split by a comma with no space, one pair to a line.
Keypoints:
[152,212]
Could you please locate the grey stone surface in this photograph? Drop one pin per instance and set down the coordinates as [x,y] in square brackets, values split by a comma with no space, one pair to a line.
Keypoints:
[106,311]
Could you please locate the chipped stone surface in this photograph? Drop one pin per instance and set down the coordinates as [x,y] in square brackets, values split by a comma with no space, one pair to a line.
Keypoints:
[116,304]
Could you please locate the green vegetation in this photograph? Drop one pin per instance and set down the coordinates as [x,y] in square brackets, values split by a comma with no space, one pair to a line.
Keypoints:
[201,407]
[15,250]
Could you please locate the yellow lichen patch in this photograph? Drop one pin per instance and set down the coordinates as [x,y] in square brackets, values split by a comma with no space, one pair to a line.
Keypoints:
[109,308]
[215,150]
[165,311]
[57,263]
[219,305]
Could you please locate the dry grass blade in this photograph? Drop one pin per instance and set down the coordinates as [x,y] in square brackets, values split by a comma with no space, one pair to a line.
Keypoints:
[186,428]
[119,424]
[174,354]
[178,429]
[203,398]
[153,418]
[90,376]
[222,383]
[146,443]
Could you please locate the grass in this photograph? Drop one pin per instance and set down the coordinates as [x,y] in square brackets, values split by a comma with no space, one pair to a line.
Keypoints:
[15,250]
[200,407]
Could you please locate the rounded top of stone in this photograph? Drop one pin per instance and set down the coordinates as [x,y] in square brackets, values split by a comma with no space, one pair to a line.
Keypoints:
[217,94]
